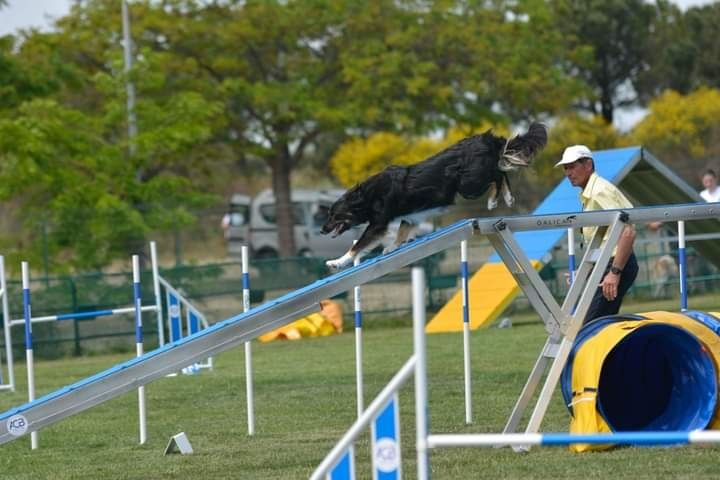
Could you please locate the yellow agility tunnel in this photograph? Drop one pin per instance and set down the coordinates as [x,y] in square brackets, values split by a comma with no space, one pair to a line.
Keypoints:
[656,371]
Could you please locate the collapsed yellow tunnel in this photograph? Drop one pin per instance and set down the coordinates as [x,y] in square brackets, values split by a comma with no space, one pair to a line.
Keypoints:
[656,371]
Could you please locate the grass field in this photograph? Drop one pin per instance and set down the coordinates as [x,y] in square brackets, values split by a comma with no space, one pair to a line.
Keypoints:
[305,395]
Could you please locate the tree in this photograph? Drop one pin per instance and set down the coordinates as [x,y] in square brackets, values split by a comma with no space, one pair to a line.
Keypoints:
[270,81]
[65,159]
[293,73]
[703,27]
[683,130]
[619,32]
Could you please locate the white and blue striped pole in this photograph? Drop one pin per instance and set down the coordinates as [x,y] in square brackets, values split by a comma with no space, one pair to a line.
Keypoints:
[359,386]
[248,348]
[547,439]
[571,254]
[27,311]
[137,297]
[464,275]
[682,260]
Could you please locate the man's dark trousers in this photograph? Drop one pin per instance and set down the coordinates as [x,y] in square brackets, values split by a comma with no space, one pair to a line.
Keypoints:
[600,306]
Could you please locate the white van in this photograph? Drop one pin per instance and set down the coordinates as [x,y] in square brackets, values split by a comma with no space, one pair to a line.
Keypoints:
[252,222]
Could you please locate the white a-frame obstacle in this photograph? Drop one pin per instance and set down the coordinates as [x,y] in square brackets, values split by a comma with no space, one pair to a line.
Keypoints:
[563,322]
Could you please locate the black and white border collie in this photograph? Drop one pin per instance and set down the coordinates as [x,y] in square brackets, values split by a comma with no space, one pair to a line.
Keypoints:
[468,168]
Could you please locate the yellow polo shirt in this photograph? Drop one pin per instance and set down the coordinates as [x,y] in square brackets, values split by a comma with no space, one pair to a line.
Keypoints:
[599,194]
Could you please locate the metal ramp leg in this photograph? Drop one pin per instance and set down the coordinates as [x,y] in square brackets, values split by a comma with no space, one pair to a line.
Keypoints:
[562,323]
[531,385]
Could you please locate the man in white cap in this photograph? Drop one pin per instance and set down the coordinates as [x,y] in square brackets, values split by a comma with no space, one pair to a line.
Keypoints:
[599,194]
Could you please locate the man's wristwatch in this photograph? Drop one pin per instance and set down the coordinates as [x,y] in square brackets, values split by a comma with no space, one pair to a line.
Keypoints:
[615,270]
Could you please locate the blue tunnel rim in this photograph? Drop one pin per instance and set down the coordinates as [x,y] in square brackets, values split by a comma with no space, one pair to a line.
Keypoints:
[588,331]
[592,328]
[708,388]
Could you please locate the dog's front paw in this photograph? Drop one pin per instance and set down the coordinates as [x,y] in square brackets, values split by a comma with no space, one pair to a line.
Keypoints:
[334,264]
[492,203]
[339,262]
[389,249]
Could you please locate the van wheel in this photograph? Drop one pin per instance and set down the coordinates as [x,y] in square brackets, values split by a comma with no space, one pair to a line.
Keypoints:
[266,253]
[305,253]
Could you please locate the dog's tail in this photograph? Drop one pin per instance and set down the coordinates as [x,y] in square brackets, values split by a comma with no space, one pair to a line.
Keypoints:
[521,149]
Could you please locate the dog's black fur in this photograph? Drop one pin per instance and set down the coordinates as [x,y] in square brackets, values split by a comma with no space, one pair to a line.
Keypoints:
[469,168]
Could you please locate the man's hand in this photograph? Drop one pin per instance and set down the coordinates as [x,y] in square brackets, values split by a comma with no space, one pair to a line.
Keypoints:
[610,285]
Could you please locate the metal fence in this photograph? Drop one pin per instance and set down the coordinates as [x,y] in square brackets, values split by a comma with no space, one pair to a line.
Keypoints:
[216,289]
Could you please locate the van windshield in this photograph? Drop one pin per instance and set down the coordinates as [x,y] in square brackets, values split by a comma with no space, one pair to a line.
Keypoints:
[269,214]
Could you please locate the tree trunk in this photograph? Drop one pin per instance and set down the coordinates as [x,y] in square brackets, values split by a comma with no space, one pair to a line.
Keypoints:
[281,168]
[606,105]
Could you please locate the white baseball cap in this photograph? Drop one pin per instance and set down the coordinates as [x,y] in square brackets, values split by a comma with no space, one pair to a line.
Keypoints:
[574,153]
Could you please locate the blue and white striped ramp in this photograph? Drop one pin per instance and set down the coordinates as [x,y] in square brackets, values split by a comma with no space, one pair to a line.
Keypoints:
[217,338]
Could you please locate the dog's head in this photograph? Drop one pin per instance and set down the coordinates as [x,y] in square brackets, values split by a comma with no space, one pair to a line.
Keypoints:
[521,149]
[343,213]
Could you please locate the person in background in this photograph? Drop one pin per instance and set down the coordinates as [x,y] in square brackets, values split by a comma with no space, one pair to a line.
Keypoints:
[711,192]
[599,194]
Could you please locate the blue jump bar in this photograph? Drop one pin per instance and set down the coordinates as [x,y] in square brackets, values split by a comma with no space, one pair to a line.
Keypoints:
[617,438]
[79,315]
[631,438]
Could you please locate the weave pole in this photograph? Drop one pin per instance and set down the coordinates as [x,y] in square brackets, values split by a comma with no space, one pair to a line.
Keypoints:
[27,311]
[571,254]
[682,261]
[359,386]
[137,297]
[464,275]
[248,346]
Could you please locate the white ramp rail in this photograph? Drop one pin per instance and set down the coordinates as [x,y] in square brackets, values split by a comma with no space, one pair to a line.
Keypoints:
[235,331]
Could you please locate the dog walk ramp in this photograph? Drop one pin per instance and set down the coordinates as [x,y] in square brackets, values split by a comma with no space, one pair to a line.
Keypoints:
[645,179]
[235,331]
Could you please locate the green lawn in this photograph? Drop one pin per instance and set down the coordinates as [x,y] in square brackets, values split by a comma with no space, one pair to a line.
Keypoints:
[305,400]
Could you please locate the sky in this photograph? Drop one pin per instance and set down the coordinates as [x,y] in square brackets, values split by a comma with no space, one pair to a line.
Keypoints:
[40,14]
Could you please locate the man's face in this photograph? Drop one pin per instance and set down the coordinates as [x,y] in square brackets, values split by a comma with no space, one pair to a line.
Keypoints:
[579,172]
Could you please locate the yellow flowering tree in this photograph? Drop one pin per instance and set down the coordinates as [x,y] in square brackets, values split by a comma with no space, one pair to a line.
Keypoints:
[681,127]
[683,131]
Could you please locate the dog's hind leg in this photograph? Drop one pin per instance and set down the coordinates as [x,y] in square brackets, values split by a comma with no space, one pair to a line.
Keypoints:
[493,197]
[506,192]
[404,231]
[372,235]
